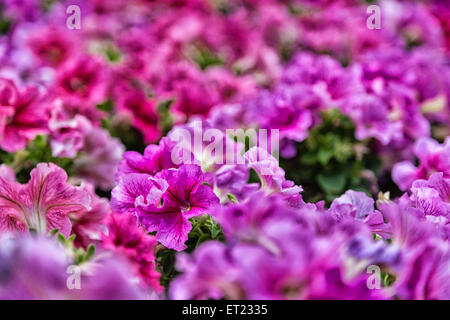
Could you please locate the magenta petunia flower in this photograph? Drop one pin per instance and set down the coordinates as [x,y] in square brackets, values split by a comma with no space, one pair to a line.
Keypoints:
[82,78]
[187,196]
[23,115]
[135,190]
[88,224]
[154,159]
[142,111]
[51,45]
[43,204]
[126,238]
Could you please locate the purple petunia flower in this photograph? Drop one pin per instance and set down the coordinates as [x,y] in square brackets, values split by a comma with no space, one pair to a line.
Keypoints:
[433,157]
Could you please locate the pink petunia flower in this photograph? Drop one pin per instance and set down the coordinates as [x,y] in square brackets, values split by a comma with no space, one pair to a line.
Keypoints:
[23,115]
[88,224]
[42,204]
[128,239]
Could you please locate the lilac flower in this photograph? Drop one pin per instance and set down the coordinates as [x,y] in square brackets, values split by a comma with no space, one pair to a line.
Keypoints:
[371,116]
[432,156]
[99,158]
[358,206]
[325,75]
[286,110]
[408,224]
[432,195]
[251,221]
[271,176]
[32,268]
[426,274]
[214,149]
[233,179]
[209,273]
[37,268]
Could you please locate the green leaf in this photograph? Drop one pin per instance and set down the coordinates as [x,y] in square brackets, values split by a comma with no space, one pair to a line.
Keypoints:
[61,238]
[71,238]
[324,156]
[232,198]
[332,183]
[89,252]
[106,106]
[53,232]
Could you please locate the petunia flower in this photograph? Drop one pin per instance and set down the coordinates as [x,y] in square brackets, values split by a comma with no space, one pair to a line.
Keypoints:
[433,157]
[142,112]
[82,79]
[154,159]
[88,224]
[23,115]
[432,195]
[209,273]
[187,196]
[135,190]
[43,204]
[272,176]
[126,238]
[99,158]
[36,267]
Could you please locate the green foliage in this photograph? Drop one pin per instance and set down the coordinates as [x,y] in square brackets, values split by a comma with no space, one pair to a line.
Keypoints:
[204,57]
[331,160]
[128,135]
[112,53]
[79,254]
[203,228]
[5,24]
[165,261]
[232,198]
[387,278]
[166,120]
